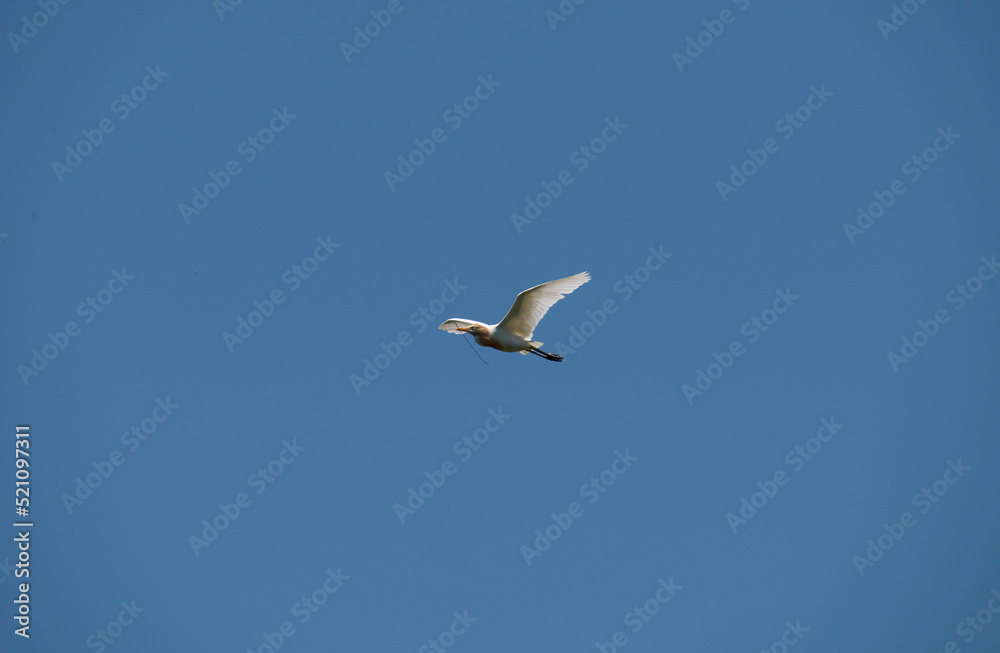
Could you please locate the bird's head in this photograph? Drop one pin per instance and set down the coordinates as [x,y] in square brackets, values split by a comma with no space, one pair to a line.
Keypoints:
[475,329]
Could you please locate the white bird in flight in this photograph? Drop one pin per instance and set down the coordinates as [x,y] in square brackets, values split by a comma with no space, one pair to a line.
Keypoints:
[514,331]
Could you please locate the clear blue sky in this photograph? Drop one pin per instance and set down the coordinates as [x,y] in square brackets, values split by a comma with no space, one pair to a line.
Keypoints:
[706,189]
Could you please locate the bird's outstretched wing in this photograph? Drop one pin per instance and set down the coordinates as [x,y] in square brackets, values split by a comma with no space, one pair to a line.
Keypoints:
[531,305]
[451,326]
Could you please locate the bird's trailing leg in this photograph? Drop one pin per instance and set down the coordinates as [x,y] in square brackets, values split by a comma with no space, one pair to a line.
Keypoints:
[547,356]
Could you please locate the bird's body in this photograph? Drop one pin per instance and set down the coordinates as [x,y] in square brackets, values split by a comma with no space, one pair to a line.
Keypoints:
[490,335]
[514,331]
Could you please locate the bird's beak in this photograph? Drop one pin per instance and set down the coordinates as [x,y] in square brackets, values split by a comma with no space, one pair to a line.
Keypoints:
[464,329]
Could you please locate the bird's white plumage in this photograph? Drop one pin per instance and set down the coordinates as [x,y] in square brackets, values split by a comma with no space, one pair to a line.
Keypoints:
[531,305]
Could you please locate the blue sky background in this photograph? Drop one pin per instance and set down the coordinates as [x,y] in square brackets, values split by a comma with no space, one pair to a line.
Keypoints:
[450,222]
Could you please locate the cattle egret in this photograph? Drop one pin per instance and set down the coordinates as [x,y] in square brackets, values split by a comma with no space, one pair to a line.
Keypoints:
[514,331]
